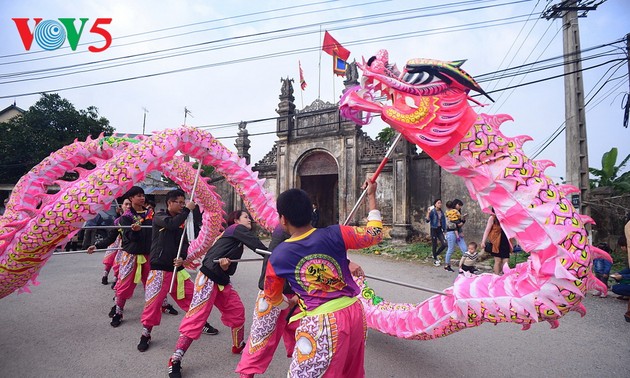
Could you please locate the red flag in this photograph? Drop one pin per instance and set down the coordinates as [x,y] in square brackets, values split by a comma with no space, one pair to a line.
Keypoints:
[302,81]
[332,47]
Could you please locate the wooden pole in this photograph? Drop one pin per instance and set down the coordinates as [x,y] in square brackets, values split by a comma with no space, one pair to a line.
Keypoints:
[376,174]
[189,219]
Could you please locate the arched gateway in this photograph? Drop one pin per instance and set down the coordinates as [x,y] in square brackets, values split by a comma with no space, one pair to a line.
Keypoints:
[318,175]
[329,157]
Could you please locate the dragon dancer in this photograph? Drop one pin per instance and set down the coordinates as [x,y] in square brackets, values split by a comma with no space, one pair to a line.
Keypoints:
[330,338]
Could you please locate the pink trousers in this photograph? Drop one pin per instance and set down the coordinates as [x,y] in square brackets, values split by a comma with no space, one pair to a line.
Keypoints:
[126,276]
[269,325]
[108,260]
[110,255]
[331,345]
[206,295]
[116,266]
[156,289]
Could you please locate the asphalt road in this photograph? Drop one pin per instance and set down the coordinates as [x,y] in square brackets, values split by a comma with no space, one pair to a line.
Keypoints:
[61,329]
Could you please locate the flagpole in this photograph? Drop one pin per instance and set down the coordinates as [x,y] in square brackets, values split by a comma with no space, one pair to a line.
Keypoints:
[301,85]
[319,66]
[333,84]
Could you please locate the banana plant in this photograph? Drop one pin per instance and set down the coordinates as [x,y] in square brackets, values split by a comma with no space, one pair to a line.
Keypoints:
[609,174]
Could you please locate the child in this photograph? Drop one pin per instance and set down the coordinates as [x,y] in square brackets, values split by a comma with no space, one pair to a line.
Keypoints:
[468,260]
[454,236]
[453,218]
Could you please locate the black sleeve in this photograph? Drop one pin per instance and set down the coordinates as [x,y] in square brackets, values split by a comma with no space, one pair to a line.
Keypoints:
[163,220]
[112,234]
[88,237]
[247,237]
[128,234]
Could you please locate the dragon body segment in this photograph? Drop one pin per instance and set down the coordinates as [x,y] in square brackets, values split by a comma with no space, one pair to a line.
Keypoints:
[428,104]
[35,223]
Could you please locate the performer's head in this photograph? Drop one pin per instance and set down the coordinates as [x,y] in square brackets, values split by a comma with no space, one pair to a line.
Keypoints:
[136,196]
[294,205]
[239,217]
[175,201]
[126,205]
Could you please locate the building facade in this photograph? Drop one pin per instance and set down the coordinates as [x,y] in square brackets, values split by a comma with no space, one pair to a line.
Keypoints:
[329,157]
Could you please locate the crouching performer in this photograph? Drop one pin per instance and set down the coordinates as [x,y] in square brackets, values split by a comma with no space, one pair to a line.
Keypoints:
[213,288]
[330,338]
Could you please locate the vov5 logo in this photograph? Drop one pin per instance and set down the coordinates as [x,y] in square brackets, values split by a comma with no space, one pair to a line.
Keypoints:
[51,34]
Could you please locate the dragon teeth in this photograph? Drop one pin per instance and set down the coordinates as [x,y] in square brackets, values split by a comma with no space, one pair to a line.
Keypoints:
[410,102]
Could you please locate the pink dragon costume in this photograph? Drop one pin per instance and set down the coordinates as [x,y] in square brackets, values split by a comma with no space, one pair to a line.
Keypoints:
[428,104]
[35,223]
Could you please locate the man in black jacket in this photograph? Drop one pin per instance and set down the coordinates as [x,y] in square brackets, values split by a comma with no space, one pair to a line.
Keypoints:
[136,244]
[168,228]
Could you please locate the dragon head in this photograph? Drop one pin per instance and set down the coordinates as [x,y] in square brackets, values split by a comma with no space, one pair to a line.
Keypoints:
[427,102]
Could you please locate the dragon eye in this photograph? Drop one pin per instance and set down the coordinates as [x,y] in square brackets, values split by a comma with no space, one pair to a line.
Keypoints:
[416,78]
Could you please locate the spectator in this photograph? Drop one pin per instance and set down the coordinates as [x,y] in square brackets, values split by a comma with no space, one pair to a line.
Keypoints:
[500,247]
[315,215]
[601,268]
[622,288]
[435,216]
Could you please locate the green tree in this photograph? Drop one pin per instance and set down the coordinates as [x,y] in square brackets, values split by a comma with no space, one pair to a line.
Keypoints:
[386,135]
[50,124]
[206,171]
[608,175]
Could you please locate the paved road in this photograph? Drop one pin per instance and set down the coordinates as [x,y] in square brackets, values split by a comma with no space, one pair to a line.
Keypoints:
[61,329]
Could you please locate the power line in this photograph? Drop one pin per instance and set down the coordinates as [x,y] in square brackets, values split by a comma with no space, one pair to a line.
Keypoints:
[338,21]
[286,52]
[165,29]
[562,126]
[515,39]
[259,34]
[248,59]
[495,104]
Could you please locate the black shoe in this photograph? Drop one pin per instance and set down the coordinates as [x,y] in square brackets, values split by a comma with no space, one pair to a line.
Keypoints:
[112,311]
[114,284]
[448,267]
[174,368]
[104,280]
[144,343]
[168,309]
[209,330]
[116,320]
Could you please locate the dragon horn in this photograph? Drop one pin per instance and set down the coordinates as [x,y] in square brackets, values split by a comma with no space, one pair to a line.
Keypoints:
[457,63]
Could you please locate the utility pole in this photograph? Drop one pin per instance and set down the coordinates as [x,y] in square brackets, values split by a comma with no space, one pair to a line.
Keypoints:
[144,120]
[577,173]
[626,113]
[186,113]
